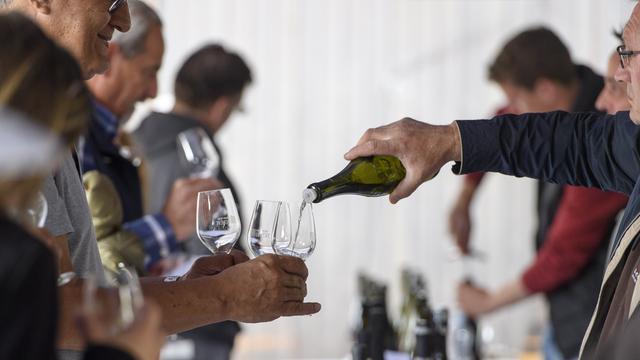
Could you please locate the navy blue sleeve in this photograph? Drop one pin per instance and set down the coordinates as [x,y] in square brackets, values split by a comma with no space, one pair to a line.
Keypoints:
[585,149]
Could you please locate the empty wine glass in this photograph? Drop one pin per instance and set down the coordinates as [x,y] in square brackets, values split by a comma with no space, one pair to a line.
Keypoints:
[119,313]
[217,220]
[197,153]
[34,213]
[304,240]
[270,223]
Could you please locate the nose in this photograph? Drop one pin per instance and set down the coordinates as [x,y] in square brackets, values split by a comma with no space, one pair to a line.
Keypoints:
[601,101]
[120,19]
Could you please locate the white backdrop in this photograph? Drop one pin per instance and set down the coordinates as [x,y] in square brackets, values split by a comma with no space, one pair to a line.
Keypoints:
[325,71]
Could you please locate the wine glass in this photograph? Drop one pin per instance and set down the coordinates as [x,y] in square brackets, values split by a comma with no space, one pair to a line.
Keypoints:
[270,223]
[120,312]
[217,220]
[197,153]
[35,211]
[303,242]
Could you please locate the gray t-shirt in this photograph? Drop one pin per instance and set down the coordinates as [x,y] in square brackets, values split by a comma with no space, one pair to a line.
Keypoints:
[69,214]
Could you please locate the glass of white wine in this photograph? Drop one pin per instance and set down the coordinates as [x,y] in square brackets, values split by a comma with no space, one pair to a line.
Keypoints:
[270,223]
[217,220]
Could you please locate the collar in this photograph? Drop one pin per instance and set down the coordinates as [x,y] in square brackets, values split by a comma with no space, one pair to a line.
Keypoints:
[106,121]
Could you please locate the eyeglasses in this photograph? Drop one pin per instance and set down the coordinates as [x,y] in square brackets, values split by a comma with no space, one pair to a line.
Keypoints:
[115,5]
[625,55]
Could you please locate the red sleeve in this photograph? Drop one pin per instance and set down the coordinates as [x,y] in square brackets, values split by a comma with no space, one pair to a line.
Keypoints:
[582,221]
[474,178]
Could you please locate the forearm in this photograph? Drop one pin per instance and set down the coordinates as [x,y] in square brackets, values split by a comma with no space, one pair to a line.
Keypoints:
[467,194]
[187,304]
[585,149]
[64,262]
[510,293]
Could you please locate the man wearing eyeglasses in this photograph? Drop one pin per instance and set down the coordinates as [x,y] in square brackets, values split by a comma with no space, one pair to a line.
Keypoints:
[587,149]
[216,288]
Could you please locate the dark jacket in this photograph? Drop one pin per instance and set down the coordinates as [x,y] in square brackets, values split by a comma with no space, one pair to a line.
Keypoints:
[29,299]
[584,149]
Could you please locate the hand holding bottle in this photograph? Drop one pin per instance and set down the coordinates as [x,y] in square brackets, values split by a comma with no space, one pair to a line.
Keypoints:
[422,148]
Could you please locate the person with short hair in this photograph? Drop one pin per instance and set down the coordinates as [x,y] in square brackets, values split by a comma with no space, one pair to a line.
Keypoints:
[574,223]
[208,89]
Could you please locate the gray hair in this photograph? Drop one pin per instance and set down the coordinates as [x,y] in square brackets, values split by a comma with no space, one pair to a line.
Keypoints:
[143,18]
[5,3]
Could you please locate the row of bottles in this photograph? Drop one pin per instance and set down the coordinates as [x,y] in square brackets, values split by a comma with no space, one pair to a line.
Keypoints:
[420,330]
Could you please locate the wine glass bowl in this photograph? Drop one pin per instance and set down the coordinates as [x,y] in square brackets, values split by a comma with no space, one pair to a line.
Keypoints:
[197,153]
[270,223]
[303,242]
[217,220]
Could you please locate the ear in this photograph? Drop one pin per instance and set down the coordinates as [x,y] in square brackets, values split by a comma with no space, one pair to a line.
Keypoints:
[546,90]
[222,107]
[41,6]
[219,112]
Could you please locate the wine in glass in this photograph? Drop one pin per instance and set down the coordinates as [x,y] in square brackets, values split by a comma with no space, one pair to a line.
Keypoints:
[197,153]
[270,223]
[217,220]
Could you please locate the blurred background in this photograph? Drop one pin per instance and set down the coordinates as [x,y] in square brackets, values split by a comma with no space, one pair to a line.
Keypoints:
[325,71]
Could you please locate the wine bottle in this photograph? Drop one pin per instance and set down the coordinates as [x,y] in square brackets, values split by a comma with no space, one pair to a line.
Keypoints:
[423,349]
[368,176]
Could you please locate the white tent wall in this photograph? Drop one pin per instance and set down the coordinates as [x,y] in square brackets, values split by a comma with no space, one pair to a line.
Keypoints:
[326,70]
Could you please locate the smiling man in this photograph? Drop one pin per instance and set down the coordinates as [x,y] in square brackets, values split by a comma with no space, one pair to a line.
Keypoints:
[587,149]
[82,27]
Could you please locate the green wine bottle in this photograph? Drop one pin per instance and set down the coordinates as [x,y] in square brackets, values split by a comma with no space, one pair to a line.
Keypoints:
[367,176]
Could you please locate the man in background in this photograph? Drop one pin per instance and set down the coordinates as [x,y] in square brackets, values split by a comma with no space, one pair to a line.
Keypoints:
[536,73]
[208,89]
[135,58]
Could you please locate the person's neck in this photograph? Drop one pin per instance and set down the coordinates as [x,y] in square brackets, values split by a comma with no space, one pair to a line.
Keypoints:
[106,105]
[183,109]
[567,96]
